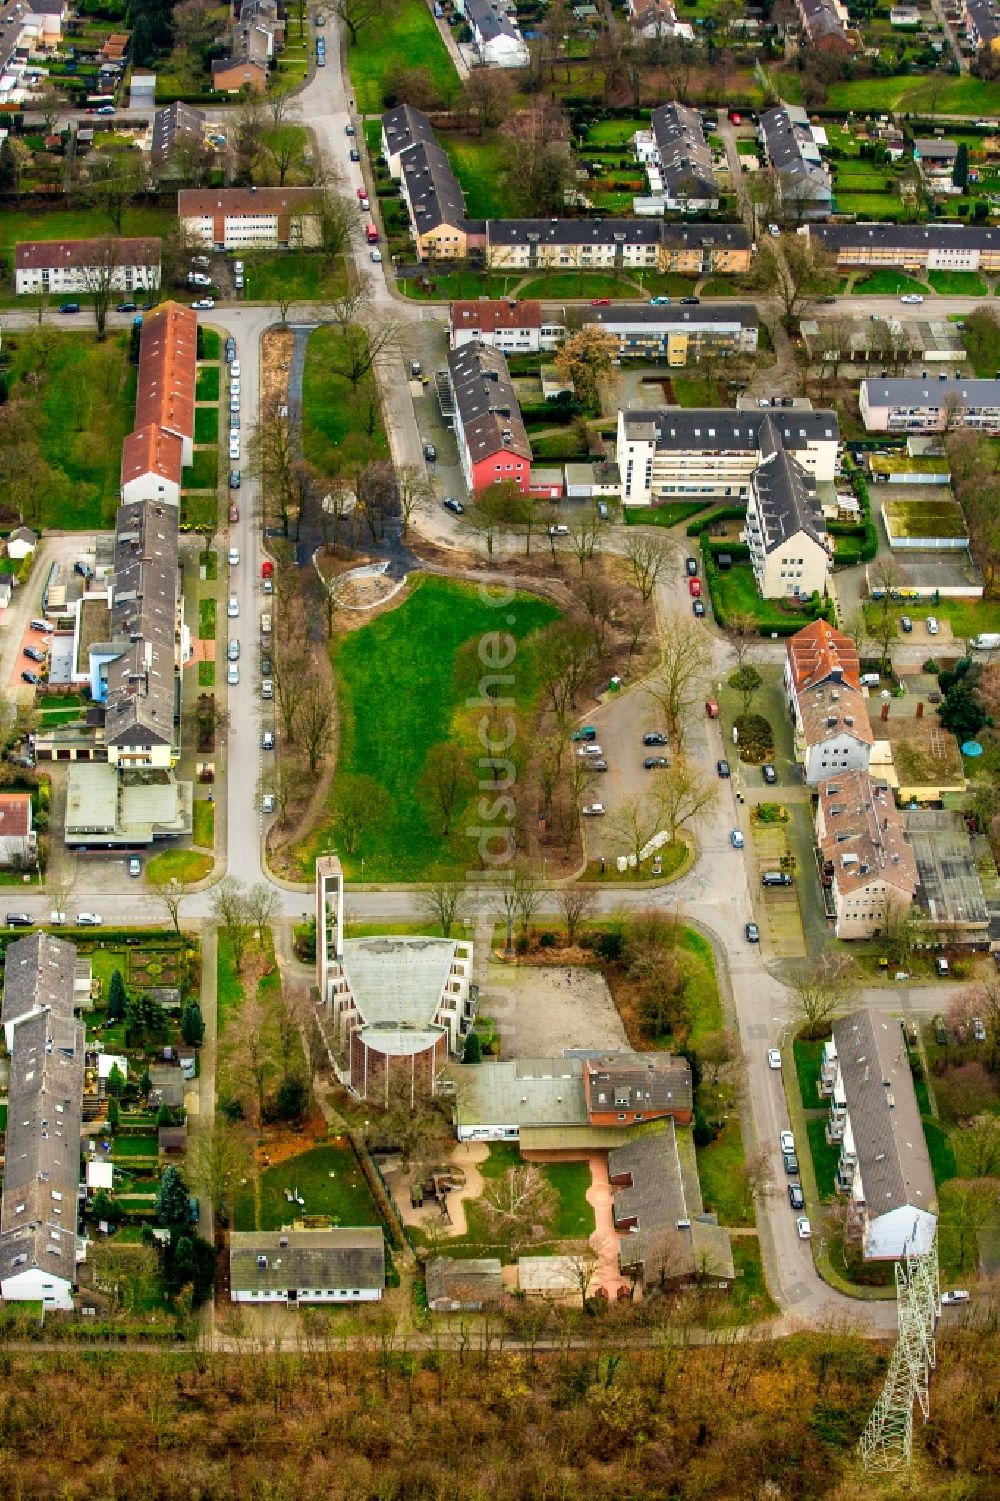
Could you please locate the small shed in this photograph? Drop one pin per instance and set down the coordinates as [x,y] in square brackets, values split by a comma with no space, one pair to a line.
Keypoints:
[21,542]
[456,1285]
[555,1277]
[100,1175]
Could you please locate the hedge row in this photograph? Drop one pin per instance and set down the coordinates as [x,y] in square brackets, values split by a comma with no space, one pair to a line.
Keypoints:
[738,551]
[724,513]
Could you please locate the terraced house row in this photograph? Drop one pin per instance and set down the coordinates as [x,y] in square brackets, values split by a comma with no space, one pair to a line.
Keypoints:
[442,231]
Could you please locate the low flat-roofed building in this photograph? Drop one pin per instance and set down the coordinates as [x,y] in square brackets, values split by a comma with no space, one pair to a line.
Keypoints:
[924,762]
[921,575]
[882,341]
[556,1277]
[344,1265]
[949,897]
[924,519]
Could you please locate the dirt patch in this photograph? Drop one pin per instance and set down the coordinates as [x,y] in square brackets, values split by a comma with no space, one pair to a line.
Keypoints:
[541,1011]
[280,1143]
[276,363]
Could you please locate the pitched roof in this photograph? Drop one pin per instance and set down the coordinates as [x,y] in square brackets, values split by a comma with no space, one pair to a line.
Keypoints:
[152,450]
[235,203]
[650,1082]
[318,1260]
[826,711]
[684,154]
[821,18]
[463,1283]
[985,17]
[793,153]
[885,1118]
[38,1208]
[625,315]
[15,815]
[434,191]
[819,653]
[933,394]
[907,236]
[38,974]
[168,353]
[664,1242]
[177,121]
[785,495]
[79,255]
[487,403]
[488,22]
[488,314]
[404,126]
[864,836]
[140,701]
[720,429]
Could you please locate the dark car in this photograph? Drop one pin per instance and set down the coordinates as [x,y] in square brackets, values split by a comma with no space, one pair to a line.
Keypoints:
[69,307]
[652,763]
[796,1197]
[430,453]
[752,931]
[791,1163]
[905,624]
[691,564]
[33,654]
[655,737]
[18,920]
[698,608]
[454,506]
[234,479]
[597,763]
[349,130]
[30,677]
[355,154]
[265,665]
[126,307]
[690,301]
[769,774]
[722,767]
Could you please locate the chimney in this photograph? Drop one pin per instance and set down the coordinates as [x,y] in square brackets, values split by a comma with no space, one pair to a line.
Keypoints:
[920,709]
[885,710]
[837,673]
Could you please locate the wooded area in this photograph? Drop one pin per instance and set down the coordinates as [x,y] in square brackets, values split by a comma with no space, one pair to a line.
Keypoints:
[740,1420]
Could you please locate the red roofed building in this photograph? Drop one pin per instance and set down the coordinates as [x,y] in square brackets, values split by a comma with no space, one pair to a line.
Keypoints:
[17,837]
[506,324]
[168,354]
[63,266]
[152,459]
[829,710]
[249,218]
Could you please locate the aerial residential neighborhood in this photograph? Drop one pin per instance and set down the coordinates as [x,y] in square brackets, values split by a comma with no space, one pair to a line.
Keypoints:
[500,776]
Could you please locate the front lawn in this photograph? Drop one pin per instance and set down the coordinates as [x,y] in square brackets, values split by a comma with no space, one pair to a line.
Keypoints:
[206,424]
[885,282]
[671,513]
[968,617]
[958,283]
[203,474]
[206,674]
[400,694]
[723,1183]
[825,1156]
[206,619]
[579,284]
[574,1217]
[808,1054]
[185,866]
[209,343]
[207,388]
[405,32]
[203,829]
[734,592]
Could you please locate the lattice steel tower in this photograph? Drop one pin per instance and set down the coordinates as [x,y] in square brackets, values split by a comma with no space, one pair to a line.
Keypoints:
[887,1442]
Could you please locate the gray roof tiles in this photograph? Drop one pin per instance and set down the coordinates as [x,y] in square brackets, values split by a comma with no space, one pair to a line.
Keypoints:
[785,494]
[907,236]
[885,1118]
[141,692]
[684,153]
[38,973]
[715,429]
[487,402]
[313,1260]
[624,315]
[908,392]
[404,126]
[434,192]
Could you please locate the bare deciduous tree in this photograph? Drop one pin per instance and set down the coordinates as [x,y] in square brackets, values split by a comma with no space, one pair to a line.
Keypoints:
[680,679]
[445,781]
[820,990]
[575,903]
[517,1204]
[231,910]
[442,903]
[647,557]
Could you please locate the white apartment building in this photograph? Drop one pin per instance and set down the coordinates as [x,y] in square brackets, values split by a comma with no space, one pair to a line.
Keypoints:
[786,533]
[690,453]
[64,267]
[250,218]
[930,406]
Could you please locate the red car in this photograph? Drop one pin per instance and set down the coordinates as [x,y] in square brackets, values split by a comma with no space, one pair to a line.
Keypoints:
[734,117]
[267,569]
[694,586]
[600,302]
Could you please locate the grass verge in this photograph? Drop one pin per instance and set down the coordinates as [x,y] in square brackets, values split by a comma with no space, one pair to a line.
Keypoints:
[185,866]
